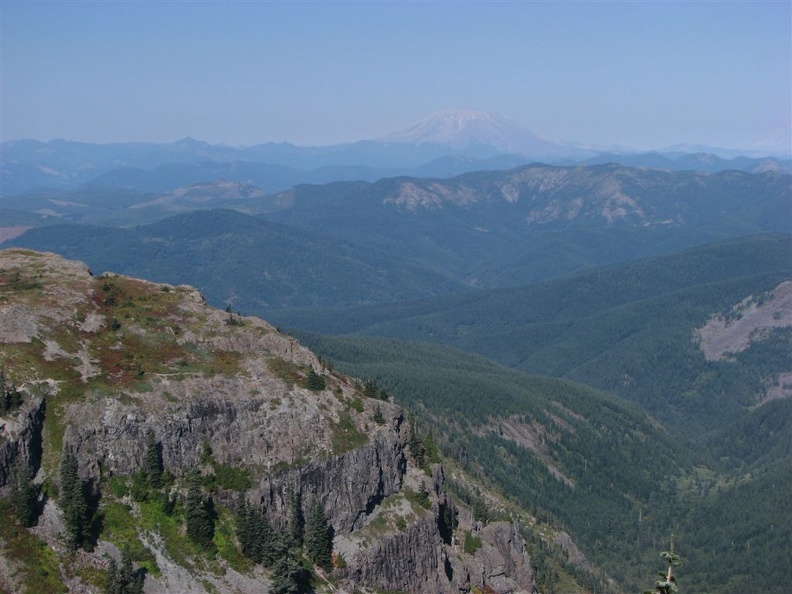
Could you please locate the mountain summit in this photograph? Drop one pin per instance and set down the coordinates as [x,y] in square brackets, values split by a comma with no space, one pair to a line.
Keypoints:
[465,128]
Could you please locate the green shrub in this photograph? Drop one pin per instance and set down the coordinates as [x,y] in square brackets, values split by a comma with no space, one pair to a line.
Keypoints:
[472,543]
[232,478]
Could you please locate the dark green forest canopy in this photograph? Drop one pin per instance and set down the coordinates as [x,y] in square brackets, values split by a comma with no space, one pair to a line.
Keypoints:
[628,330]
[631,480]
[643,478]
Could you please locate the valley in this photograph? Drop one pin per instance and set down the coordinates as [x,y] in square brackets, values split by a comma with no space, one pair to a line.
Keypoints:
[597,354]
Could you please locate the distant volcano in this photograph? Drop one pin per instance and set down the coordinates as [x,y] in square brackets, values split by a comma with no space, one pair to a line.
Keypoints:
[464,128]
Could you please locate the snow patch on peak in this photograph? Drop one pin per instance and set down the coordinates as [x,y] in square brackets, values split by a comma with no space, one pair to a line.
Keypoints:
[463,128]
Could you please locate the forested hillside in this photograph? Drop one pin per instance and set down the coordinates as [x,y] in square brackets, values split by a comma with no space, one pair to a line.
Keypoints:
[652,405]
[615,478]
[629,330]
[707,452]
[244,261]
[485,229]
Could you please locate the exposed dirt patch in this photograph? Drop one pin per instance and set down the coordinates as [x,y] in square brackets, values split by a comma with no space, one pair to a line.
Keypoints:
[529,436]
[9,233]
[780,387]
[749,320]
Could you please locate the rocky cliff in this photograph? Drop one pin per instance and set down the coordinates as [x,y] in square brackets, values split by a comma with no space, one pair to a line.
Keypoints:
[109,365]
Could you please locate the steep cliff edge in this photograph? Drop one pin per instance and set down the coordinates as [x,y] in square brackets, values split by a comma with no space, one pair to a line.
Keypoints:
[111,366]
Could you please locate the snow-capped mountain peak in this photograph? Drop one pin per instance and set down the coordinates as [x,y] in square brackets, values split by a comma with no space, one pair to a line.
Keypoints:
[463,128]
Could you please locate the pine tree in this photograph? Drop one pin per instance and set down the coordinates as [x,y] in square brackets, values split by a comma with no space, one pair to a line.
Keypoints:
[279,546]
[370,389]
[318,537]
[480,511]
[244,529]
[112,586]
[378,418]
[5,405]
[200,523]
[296,518]
[124,580]
[73,502]
[315,382]
[286,575]
[152,463]
[125,573]
[416,446]
[667,582]
[262,539]
[137,583]
[10,397]
[24,496]
[447,520]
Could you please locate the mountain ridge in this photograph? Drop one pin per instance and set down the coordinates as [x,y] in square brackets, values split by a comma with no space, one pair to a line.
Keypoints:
[31,165]
[463,128]
[236,412]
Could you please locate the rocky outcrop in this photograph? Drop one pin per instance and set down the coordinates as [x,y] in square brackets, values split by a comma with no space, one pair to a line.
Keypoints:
[417,559]
[20,438]
[135,360]
[349,487]
[502,564]
[414,560]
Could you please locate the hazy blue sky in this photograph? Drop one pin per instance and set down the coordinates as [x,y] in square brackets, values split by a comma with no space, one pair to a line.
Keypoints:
[641,74]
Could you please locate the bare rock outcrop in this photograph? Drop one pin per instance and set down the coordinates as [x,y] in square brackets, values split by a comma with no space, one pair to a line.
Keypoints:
[20,438]
[116,361]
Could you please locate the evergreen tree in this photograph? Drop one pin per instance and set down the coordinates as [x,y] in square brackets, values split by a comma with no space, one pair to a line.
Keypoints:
[279,547]
[416,446]
[137,583]
[198,511]
[378,418]
[254,535]
[480,511]
[318,537]
[447,520]
[431,453]
[263,539]
[24,496]
[370,389]
[296,518]
[124,580]
[73,502]
[315,382]
[153,465]
[139,489]
[667,582]
[287,575]
[125,573]
[10,397]
[112,586]
[244,530]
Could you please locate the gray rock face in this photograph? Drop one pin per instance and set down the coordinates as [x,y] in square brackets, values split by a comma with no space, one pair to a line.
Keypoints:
[502,563]
[134,359]
[349,486]
[20,438]
[418,560]
[412,561]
